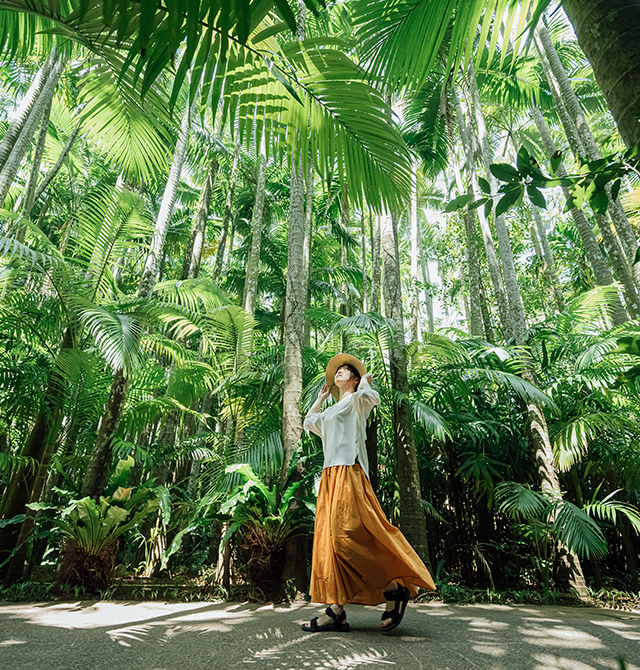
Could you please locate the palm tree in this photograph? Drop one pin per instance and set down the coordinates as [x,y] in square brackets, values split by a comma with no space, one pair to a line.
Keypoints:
[603,32]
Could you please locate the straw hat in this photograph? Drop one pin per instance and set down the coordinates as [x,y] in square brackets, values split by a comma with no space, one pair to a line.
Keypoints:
[332,368]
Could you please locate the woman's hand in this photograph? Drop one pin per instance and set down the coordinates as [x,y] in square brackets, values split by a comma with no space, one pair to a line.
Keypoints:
[324,393]
[368,378]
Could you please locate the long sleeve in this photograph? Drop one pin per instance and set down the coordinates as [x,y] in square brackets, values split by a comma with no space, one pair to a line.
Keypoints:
[313,423]
[365,398]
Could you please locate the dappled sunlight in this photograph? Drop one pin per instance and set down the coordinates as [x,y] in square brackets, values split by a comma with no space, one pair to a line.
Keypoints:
[100,614]
[620,628]
[559,637]
[432,636]
[548,662]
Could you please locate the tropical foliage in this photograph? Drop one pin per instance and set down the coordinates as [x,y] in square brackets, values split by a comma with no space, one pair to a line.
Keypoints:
[193,194]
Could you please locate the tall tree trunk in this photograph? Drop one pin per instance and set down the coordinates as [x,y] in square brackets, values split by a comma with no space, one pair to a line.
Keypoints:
[492,258]
[296,300]
[53,172]
[307,246]
[414,322]
[26,482]
[597,262]
[193,257]
[23,141]
[257,225]
[97,472]
[228,211]
[473,262]
[363,261]
[551,269]
[30,187]
[412,518]
[26,107]
[150,272]
[516,308]
[426,281]
[608,32]
[589,148]
[375,263]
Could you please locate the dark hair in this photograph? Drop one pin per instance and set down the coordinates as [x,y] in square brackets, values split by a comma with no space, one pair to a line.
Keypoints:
[353,371]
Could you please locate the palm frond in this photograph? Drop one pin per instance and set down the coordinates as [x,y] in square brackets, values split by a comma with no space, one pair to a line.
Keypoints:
[577,530]
[518,501]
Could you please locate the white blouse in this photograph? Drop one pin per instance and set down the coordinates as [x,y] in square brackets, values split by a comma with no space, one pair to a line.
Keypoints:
[343,427]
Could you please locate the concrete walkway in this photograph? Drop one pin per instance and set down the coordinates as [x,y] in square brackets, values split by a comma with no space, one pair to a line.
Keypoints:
[186,636]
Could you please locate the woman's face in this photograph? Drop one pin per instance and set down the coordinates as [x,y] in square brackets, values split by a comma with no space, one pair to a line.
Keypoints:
[343,377]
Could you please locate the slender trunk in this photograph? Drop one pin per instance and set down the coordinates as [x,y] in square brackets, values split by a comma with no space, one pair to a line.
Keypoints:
[307,246]
[414,322]
[486,316]
[492,259]
[98,468]
[363,261]
[150,272]
[597,262]
[257,225]
[296,300]
[375,263]
[26,482]
[26,106]
[590,149]
[516,308]
[50,176]
[426,281]
[473,262]
[23,141]
[228,211]
[608,32]
[30,188]
[412,519]
[551,269]
[193,257]
[583,147]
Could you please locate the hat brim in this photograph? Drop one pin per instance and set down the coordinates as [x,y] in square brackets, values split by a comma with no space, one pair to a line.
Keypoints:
[332,368]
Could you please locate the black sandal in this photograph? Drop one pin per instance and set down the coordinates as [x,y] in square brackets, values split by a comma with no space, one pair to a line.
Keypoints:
[401,597]
[338,625]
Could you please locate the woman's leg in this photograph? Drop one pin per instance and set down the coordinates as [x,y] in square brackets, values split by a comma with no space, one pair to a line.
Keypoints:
[333,619]
[325,618]
[397,597]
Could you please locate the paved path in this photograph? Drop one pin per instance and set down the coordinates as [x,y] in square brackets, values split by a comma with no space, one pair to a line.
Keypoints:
[191,636]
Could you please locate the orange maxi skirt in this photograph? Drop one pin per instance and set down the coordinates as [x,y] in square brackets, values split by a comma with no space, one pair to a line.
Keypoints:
[356,551]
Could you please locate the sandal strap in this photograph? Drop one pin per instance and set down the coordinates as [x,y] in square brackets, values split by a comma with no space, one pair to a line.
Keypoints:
[337,618]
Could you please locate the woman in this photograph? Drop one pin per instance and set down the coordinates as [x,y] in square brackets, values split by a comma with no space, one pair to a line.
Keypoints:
[358,556]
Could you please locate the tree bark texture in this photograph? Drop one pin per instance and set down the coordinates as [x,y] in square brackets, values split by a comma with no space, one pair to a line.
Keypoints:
[589,149]
[608,32]
[363,259]
[28,198]
[296,300]
[471,249]
[551,269]
[193,257]
[257,225]
[150,272]
[597,262]
[516,308]
[26,106]
[21,144]
[53,172]
[414,322]
[99,466]
[376,267]
[492,258]
[39,446]
[412,518]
